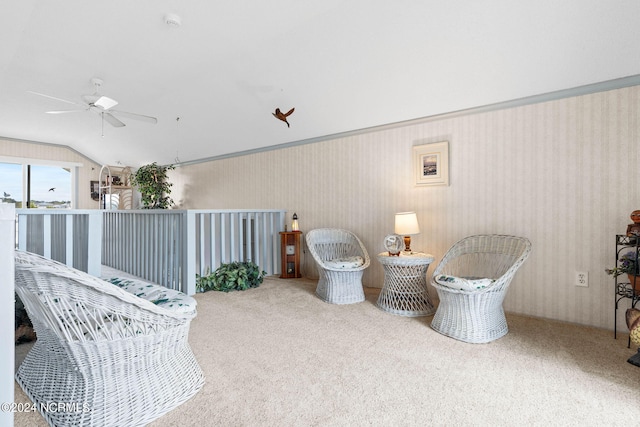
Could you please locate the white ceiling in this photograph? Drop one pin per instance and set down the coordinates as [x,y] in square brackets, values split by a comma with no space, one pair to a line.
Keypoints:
[343,65]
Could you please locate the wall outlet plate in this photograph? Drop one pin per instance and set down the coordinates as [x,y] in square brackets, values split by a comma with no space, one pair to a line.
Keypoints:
[582,279]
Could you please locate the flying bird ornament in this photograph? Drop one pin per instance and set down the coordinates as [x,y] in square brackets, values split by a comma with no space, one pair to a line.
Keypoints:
[283,116]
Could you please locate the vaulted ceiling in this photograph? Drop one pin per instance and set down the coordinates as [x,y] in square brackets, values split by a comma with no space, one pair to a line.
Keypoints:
[214,81]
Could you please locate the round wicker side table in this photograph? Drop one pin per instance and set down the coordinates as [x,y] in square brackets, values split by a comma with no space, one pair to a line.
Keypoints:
[405,284]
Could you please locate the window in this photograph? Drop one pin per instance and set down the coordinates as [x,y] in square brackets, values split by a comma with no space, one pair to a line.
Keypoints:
[11,183]
[50,187]
[38,185]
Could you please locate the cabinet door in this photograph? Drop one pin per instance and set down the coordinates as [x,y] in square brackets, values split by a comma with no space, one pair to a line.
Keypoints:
[290,253]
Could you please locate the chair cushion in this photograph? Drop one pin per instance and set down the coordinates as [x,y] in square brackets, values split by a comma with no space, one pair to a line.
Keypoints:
[463,284]
[169,299]
[345,263]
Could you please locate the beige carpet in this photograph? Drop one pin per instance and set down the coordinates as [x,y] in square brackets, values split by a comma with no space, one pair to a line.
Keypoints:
[279,356]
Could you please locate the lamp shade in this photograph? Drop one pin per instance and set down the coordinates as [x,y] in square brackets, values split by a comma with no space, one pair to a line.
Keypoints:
[407,223]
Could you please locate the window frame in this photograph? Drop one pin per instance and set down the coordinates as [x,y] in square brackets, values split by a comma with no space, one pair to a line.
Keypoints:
[26,161]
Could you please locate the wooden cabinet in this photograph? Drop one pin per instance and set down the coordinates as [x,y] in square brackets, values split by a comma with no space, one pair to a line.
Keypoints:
[290,254]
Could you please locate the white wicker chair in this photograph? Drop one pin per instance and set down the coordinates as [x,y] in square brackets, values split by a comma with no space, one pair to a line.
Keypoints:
[477,316]
[111,358]
[337,285]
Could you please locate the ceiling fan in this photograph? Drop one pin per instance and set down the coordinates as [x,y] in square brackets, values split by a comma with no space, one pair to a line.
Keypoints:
[99,104]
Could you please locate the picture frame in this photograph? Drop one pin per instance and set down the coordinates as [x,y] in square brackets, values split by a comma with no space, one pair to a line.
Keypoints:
[431,163]
[95,190]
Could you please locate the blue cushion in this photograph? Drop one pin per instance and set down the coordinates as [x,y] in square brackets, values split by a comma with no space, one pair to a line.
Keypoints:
[345,263]
[461,283]
[169,299]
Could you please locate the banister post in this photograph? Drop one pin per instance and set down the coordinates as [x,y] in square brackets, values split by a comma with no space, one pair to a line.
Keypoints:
[189,254]
[7,307]
[94,245]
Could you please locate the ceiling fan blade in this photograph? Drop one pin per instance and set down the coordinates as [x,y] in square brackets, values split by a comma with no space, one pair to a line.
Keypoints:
[135,116]
[112,120]
[53,97]
[65,111]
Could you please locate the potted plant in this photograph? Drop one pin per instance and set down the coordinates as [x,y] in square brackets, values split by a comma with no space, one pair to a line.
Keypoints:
[628,264]
[233,276]
[151,181]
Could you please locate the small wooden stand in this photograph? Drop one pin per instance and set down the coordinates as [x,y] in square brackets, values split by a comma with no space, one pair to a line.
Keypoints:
[290,254]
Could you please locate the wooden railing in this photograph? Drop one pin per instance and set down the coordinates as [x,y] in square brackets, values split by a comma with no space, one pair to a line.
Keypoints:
[167,247]
[71,236]
[224,236]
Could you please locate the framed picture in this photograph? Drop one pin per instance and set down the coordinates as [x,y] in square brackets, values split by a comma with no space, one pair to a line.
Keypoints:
[431,163]
[95,190]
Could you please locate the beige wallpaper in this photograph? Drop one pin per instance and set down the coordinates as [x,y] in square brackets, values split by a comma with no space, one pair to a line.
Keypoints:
[563,173]
[88,172]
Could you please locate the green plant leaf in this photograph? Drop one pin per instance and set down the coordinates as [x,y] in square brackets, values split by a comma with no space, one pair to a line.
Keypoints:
[232,276]
[151,182]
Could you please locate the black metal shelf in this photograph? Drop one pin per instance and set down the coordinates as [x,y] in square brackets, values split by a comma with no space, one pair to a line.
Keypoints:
[625,289]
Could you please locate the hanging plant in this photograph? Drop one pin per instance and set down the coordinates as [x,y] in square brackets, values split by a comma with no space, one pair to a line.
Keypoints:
[151,182]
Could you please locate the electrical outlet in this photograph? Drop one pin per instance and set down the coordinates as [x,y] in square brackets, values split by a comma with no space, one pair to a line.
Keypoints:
[582,279]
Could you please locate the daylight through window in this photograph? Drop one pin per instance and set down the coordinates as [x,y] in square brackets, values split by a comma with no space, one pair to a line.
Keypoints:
[46,186]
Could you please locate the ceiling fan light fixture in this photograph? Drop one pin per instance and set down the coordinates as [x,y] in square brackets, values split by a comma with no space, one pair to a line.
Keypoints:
[172,20]
[106,102]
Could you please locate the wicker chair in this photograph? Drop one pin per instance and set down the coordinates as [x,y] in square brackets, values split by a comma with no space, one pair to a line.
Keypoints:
[111,358]
[339,283]
[477,316]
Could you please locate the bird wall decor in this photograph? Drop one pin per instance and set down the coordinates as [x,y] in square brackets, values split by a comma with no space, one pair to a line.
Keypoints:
[283,116]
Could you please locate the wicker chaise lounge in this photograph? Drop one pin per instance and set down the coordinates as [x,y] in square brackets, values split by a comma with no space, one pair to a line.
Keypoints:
[472,280]
[341,258]
[109,357]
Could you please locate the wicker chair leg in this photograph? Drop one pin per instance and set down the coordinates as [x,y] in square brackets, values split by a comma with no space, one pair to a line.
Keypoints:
[470,318]
[340,288]
[132,393]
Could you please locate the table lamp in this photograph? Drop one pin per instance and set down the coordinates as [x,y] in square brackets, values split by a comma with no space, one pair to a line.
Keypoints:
[406,225]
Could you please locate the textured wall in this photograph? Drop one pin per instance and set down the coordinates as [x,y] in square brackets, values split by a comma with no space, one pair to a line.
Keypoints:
[562,173]
[88,172]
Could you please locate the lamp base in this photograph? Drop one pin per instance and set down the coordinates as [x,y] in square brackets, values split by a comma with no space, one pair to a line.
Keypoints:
[407,244]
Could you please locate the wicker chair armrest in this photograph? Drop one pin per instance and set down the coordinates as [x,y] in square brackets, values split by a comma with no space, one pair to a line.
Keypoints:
[79,307]
[508,246]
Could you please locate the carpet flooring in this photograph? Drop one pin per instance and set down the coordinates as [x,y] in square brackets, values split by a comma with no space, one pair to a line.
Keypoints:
[279,356]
